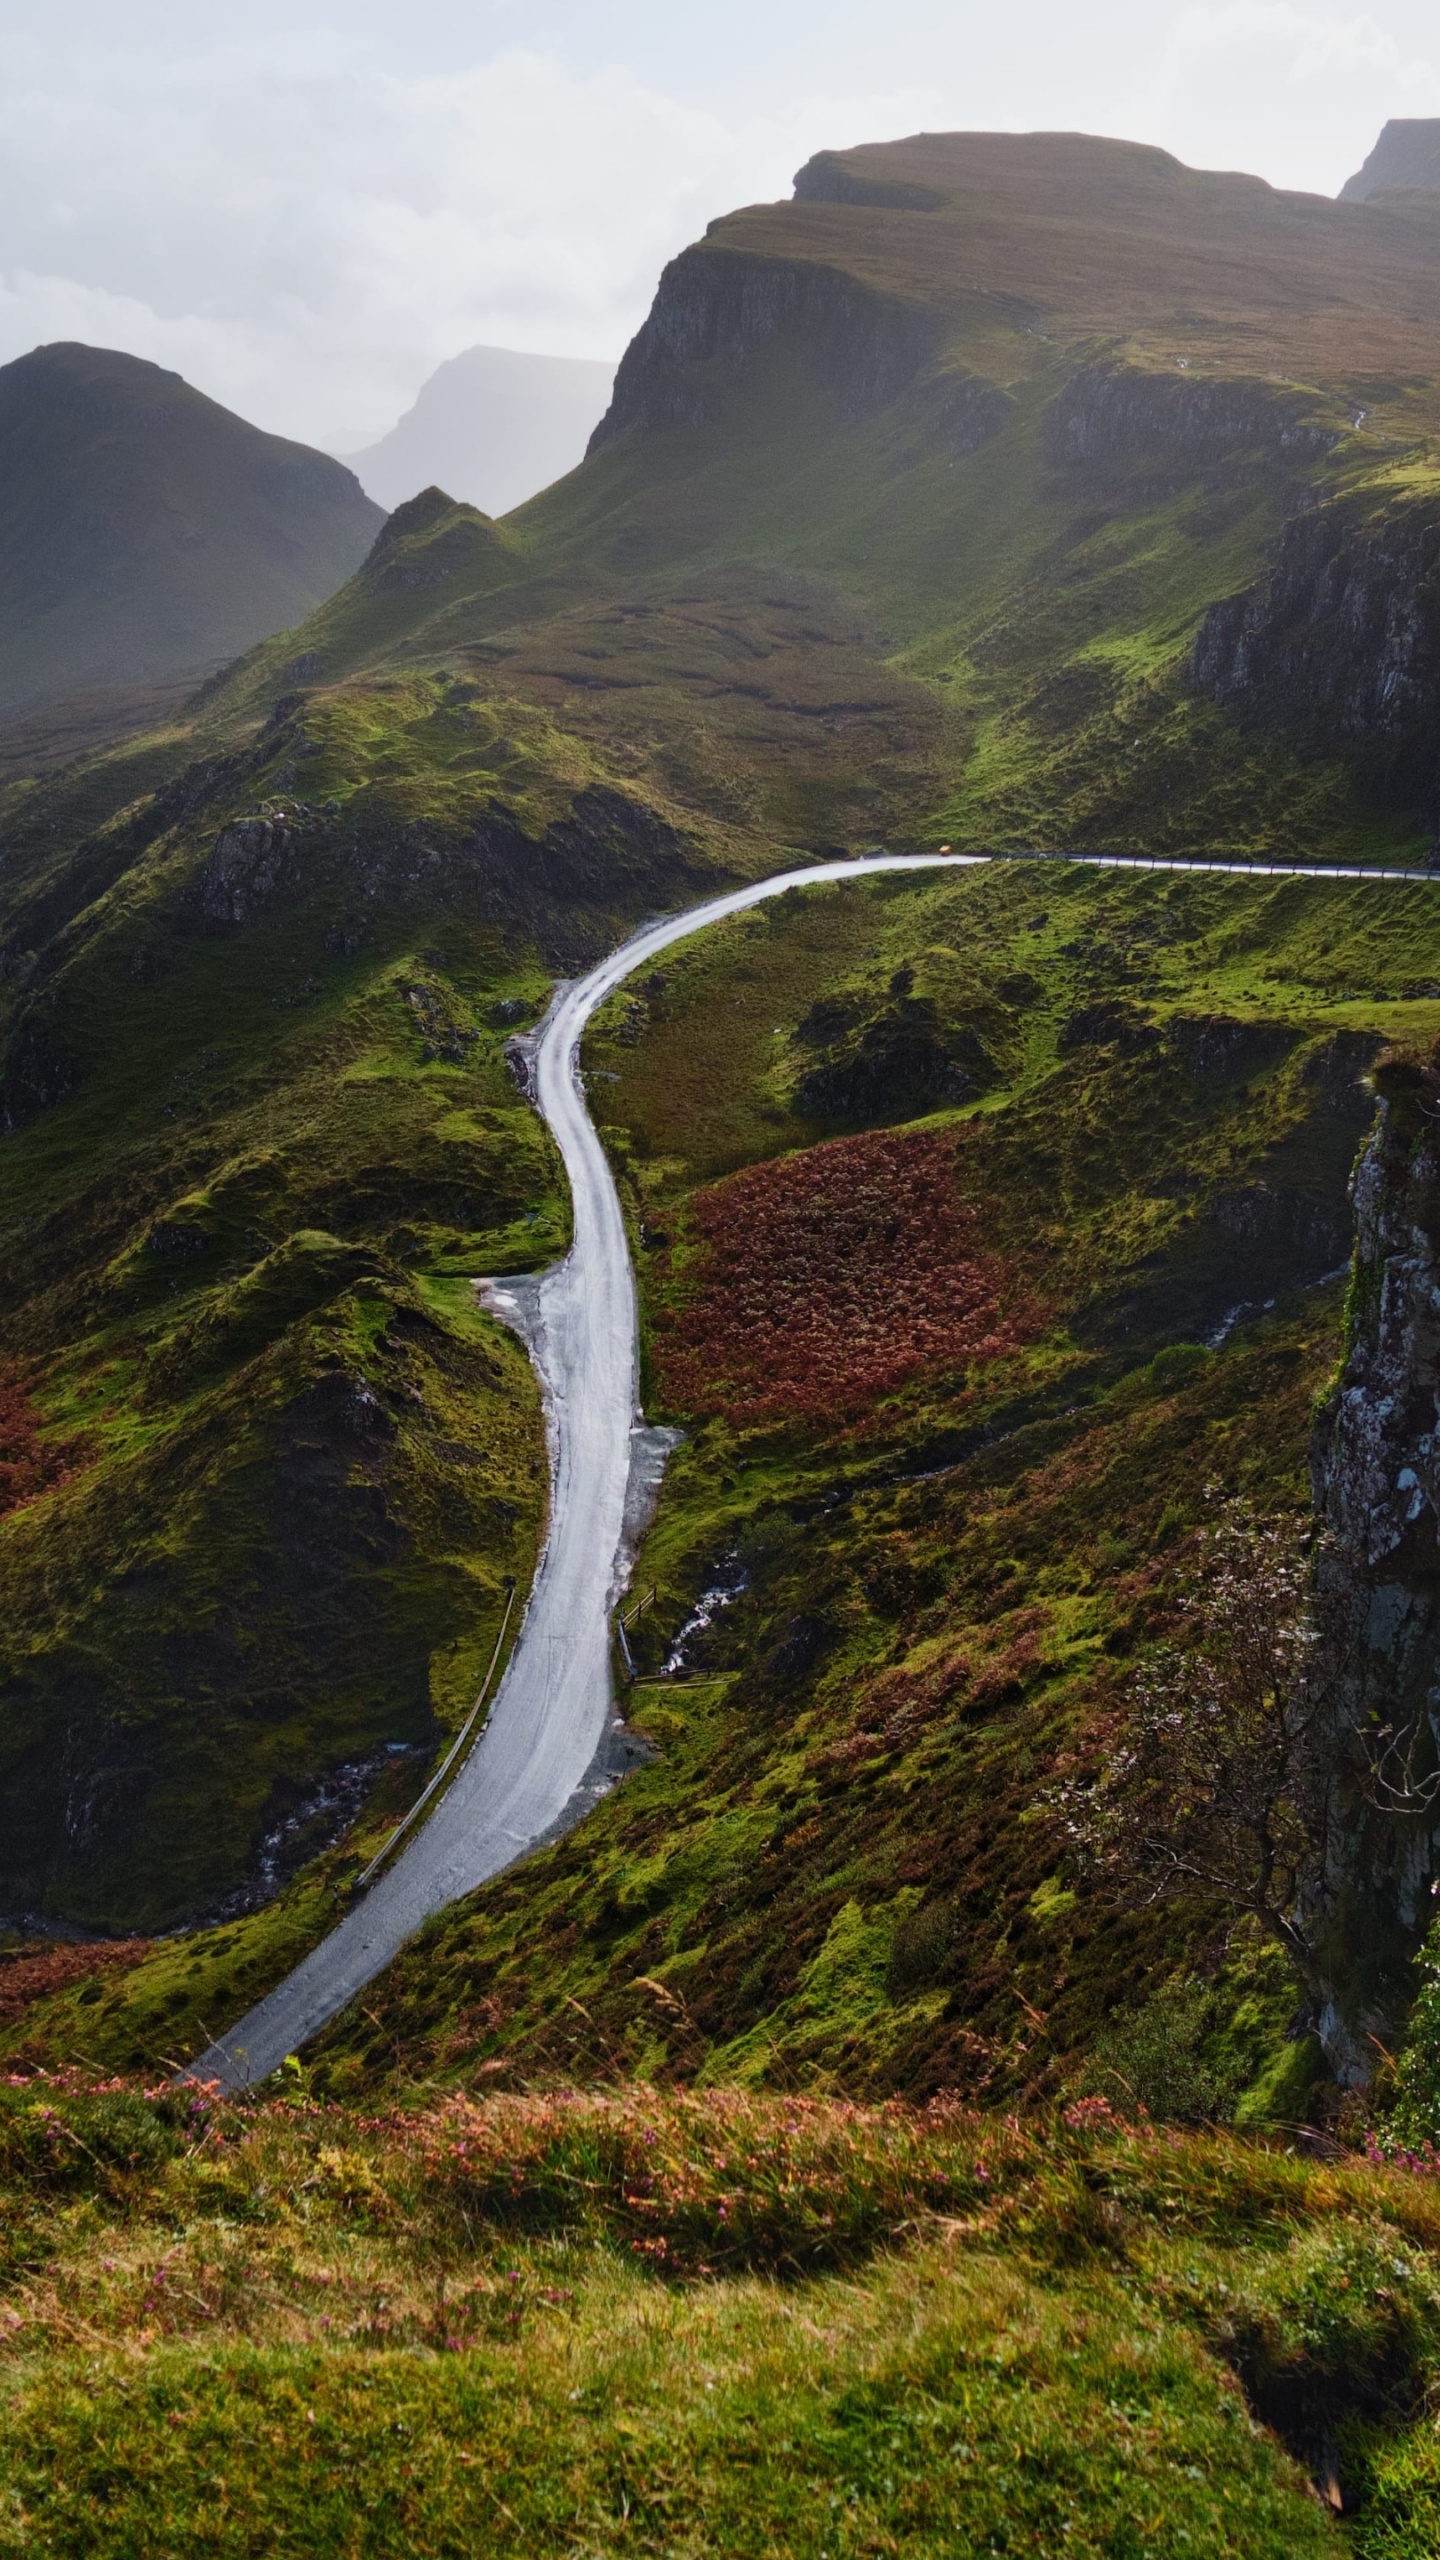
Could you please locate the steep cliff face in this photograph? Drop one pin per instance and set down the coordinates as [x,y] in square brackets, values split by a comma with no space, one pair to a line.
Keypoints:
[829,179]
[1376,1474]
[716,312]
[1406,157]
[1117,413]
[1339,646]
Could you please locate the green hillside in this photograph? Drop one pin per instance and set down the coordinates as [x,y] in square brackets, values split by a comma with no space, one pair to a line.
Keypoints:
[809,2153]
[148,534]
[734,2326]
[911,502]
[956,1393]
[946,1506]
[903,524]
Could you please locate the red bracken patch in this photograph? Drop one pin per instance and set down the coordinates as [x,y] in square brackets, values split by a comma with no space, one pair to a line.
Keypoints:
[36,1973]
[829,1278]
[28,1464]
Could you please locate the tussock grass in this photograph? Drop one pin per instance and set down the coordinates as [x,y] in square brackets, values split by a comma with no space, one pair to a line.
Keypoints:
[869,2329]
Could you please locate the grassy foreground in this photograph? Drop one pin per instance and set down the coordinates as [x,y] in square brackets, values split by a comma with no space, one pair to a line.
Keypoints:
[664,2323]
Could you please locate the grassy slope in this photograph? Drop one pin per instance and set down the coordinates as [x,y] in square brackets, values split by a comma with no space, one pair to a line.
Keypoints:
[276,1151]
[838,1870]
[146,532]
[785,625]
[838,1867]
[732,2328]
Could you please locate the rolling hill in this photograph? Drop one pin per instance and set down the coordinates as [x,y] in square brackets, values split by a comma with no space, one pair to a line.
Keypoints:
[148,534]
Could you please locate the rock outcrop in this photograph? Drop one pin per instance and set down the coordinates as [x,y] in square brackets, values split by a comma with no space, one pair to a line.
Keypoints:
[1376,1478]
[1339,646]
[1406,158]
[566,889]
[827,179]
[718,310]
[1109,413]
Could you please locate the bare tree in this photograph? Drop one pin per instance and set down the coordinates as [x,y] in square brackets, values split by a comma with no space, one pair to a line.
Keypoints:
[1214,1780]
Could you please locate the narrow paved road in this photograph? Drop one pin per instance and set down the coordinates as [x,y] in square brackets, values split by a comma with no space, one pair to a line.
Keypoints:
[525,1777]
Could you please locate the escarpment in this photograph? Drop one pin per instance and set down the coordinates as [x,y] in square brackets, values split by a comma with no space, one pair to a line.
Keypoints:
[827,179]
[717,310]
[1112,413]
[1338,646]
[1376,1477]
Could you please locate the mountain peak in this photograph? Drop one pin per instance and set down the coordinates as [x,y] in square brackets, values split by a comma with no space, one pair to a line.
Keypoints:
[146,531]
[492,424]
[1405,161]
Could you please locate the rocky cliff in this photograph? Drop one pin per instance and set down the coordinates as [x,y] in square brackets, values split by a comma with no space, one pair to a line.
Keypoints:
[829,179]
[717,310]
[1111,413]
[1338,646]
[1406,157]
[1376,1477]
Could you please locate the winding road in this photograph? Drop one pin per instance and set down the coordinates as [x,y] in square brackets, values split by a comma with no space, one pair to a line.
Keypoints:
[533,1771]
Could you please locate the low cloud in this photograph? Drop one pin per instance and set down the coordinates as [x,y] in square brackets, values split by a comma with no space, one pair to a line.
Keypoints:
[306,235]
[1298,97]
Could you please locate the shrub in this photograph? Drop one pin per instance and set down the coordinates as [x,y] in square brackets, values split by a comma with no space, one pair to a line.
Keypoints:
[1157,2060]
[53,2138]
[715,2180]
[1413,2124]
[827,1279]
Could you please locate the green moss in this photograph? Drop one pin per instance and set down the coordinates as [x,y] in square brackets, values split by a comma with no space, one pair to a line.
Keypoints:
[913,2329]
[840,1867]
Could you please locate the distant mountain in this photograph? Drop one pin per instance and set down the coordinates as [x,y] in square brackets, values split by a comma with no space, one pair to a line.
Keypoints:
[492,426]
[1405,160]
[145,532]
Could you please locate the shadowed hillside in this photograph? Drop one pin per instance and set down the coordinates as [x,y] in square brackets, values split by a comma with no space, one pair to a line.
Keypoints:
[146,533]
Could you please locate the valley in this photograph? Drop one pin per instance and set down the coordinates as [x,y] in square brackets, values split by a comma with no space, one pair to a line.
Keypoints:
[939,808]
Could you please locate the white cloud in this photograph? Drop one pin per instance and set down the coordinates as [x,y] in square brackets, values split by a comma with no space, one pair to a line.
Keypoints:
[305,233]
[1293,95]
[305,224]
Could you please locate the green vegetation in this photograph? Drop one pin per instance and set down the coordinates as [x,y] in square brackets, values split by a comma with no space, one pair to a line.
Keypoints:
[256,969]
[839,1864]
[301,1464]
[146,533]
[984,1223]
[729,2324]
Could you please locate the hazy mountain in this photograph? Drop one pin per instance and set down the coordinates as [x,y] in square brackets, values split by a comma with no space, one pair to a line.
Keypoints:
[1406,159]
[146,532]
[491,426]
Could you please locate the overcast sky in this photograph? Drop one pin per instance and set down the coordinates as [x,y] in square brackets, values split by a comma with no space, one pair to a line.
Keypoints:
[305,205]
